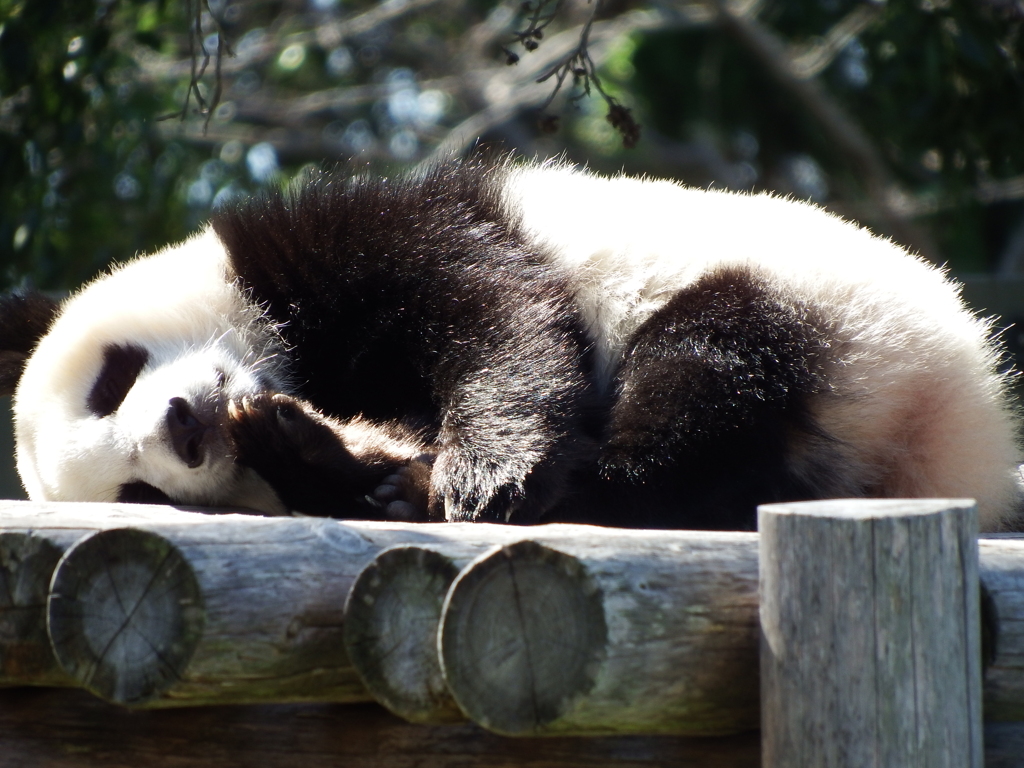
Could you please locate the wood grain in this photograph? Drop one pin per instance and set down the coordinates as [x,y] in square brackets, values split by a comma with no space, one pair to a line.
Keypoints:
[125,614]
[677,653]
[681,608]
[871,644]
[391,620]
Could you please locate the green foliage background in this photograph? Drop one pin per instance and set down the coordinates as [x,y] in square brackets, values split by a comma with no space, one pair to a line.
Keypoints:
[938,88]
[85,178]
[88,174]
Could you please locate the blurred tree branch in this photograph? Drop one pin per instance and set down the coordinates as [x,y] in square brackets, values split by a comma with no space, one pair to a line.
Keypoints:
[496,93]
[501,93]
[795,75]
[265,45]
[807,61]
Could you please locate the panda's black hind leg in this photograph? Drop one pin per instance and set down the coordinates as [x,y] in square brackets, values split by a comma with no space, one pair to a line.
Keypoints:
[711,392]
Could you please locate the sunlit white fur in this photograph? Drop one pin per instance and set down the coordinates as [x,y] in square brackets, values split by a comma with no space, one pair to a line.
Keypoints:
[914,395]
[182,307]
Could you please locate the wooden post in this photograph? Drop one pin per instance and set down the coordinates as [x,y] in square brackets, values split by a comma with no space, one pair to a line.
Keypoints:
[870,644]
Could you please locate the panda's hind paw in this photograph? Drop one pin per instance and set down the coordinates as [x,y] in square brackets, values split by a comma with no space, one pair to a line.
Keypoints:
[404,493]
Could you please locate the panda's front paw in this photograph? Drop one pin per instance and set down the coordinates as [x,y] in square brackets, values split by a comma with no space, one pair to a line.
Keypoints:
[468,491]
[404,494]
[270,428]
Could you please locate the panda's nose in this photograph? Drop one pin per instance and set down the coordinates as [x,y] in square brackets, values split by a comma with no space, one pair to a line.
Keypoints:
[186,432]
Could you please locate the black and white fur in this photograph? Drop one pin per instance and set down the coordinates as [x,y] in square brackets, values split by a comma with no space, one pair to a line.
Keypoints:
[492,341]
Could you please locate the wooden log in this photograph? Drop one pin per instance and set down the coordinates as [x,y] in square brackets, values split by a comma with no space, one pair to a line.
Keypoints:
[391,642]
[273,588]
[28,557]
[26,565]
[67,728]
[630,633]
[516,663]
[1001,566]
[295,668]
[252,612]
[870,645]
[274,591]
[125,614]
[390,631]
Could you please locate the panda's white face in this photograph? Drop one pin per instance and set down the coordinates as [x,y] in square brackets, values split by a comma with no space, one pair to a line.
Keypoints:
[124,397]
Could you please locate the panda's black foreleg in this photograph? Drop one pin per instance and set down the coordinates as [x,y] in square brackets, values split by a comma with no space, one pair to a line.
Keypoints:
[517,422]
[711,393]
[319,465]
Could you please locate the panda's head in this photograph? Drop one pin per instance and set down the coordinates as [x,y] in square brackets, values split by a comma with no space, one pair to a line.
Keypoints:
[120,391]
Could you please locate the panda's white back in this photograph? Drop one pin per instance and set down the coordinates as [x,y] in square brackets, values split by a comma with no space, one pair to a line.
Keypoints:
[914,389]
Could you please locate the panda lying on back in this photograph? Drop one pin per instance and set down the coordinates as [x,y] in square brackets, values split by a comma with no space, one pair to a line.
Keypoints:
[520,343]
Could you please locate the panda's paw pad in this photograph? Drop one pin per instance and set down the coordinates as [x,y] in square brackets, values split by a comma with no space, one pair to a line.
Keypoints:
[403,494]
[391,489]
[404,512]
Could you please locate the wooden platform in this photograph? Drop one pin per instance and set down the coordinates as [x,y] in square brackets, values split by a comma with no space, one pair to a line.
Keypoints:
[54,728]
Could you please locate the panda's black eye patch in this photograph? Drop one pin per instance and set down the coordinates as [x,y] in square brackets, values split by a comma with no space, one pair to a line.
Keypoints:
[142,493]
[122,364]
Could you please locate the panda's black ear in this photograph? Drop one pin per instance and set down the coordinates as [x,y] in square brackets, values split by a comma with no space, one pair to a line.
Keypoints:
[25,316]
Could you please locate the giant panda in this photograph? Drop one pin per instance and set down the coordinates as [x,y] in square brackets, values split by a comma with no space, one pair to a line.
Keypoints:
[492,340]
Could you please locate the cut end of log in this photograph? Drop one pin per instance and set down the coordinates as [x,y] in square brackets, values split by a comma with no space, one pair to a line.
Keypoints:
[125,614]
[864,509]
[522,638]
[391,620]
[26,566]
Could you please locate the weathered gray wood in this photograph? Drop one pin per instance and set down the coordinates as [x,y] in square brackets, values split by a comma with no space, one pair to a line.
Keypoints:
[870,646]
[306,665]
[516,663]
[28,555]
[627,633]
[391,620]
[272,594]
[274,588]
[125,614]
[393,613]
[26,565]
